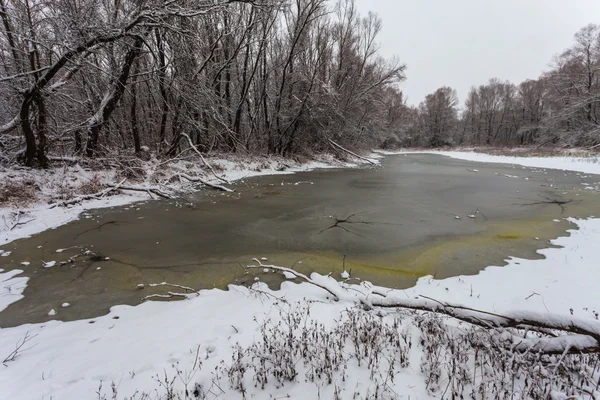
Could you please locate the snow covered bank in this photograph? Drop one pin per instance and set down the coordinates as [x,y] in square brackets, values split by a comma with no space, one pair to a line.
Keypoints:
[563,282]
[588,165]
[28,211]
[206,344]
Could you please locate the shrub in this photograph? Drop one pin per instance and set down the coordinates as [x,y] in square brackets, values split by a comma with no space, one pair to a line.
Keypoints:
[17,193]
[92,186]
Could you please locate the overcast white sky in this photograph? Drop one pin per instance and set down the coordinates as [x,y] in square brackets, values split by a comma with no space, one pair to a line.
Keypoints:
[463,43]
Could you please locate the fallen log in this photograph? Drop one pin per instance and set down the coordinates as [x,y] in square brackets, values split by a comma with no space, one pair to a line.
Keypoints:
[169,295]
[585,338]
[93,196]
[204,182]
[203,159]
[172,285]
[295,273]
[148,189]
[579,335]
[335,145]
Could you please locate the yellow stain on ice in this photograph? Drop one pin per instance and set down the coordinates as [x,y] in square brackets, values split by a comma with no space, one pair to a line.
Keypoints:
[449,255]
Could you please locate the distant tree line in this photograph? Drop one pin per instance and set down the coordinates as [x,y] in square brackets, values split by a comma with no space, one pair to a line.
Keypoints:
[560,108]
[106,77]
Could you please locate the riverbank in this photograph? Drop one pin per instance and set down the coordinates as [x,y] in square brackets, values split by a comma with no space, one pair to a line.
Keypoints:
[298,342]
[572,160]
[32,201]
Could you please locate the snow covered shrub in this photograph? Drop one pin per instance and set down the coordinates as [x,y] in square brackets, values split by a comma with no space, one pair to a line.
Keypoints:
[94,185]
[131,169]
[17,193]
[462,361]
[366,354]
[297,348]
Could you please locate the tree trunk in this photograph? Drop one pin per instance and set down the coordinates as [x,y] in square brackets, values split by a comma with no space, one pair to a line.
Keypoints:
[161,88]
[30,142]
[110,100]
[41,131]
[10,37]
[133,116]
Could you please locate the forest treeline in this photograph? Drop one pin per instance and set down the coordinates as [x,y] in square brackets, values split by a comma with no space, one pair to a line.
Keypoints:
[97,78]
[560,108]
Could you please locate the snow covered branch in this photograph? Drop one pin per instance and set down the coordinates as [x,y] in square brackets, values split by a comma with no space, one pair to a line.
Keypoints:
[204,182]
[586,336]
[10,125]
[203,159]
[80,198]
[148,189]
[327,288]
[337,146]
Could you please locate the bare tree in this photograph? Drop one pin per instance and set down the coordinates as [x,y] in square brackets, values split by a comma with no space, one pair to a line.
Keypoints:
[439,116]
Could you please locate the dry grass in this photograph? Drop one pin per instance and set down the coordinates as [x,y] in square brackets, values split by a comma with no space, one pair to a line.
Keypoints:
[92,186]
[519,151]
[18,193]
[536,152]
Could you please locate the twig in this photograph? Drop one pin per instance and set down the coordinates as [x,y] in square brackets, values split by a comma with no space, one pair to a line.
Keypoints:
[172,285]
[169,295]
[18,348]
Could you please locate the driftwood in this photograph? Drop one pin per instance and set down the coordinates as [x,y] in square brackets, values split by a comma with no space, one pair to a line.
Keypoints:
[189,289]
[204,160]
[204,182]
[585,338]
[93,196]
[295,273]
[169,295]
[335,145]
[148,189]
[582,335]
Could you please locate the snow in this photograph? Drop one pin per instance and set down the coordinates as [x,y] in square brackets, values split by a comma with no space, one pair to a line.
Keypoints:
[570,270]
[289,275]
[589,165]
[345,275]
[11,287]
